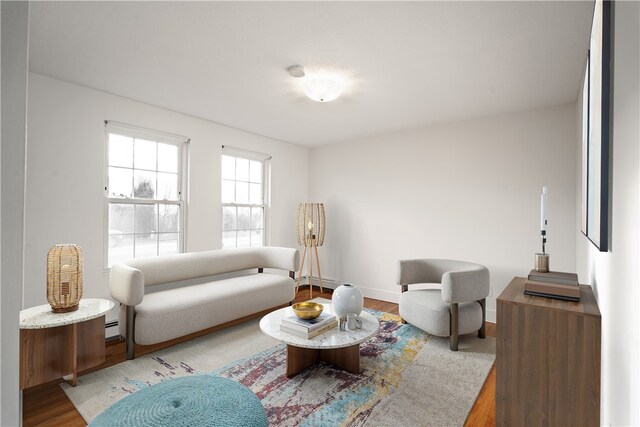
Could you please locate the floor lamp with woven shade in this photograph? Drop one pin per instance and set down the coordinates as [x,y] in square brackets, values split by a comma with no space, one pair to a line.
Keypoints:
[310,227]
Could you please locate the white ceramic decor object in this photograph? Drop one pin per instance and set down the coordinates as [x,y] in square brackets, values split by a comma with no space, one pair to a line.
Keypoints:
[347,299]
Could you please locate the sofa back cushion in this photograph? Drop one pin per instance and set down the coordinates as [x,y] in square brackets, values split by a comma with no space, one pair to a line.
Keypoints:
[175,268]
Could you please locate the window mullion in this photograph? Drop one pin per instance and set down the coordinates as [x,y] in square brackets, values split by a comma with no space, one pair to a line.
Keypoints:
[144,201]
[134,230]
[157,208]
[158,229]
[243,205]
[235,184]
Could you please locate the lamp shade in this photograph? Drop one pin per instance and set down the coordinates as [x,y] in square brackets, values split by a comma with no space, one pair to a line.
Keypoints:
[322,89]
[65,265]
[310,224]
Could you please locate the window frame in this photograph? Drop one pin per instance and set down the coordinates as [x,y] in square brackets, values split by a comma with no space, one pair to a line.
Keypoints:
[182,142]
[265,159]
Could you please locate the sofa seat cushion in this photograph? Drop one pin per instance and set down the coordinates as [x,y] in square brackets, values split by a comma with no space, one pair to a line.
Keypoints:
[173,313]
[426,310]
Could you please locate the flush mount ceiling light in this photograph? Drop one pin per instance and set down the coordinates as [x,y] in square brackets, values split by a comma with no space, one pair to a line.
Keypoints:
[322,89]
[320,86]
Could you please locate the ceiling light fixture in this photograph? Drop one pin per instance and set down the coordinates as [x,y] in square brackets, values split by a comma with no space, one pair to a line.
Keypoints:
[322,89]
[321,86]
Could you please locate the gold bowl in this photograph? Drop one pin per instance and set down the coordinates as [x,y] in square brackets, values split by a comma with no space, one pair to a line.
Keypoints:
[307,310]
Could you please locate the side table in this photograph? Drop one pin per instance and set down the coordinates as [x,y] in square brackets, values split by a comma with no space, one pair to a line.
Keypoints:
[53,345]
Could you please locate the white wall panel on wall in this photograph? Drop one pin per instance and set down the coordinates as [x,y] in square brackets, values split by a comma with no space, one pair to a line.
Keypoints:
[615,275]
[468,191]
[65,162]
[14,23]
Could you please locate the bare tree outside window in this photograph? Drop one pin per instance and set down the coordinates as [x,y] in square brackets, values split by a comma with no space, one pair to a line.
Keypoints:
[144,196]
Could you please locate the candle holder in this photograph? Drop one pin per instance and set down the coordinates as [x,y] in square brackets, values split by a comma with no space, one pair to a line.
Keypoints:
[541,263]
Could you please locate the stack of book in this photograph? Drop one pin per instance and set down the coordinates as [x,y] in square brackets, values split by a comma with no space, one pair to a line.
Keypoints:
[308,328]
[553,284]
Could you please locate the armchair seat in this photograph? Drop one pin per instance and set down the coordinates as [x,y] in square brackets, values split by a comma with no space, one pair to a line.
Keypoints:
[426,310]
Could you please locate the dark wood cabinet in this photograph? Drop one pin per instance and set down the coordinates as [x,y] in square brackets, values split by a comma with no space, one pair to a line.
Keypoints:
[547,359]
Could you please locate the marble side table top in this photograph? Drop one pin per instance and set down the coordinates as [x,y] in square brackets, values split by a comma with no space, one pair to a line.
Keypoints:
[42,317]
[333,338]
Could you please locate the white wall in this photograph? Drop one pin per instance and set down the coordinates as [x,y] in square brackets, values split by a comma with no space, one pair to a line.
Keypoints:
[15,36]
[614,275]
[468,190]
[65,158]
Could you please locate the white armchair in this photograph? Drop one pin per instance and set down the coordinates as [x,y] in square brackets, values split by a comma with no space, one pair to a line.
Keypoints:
[457,308]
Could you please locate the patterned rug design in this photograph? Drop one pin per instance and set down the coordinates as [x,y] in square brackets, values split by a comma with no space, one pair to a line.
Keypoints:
[323,395]
[407,377]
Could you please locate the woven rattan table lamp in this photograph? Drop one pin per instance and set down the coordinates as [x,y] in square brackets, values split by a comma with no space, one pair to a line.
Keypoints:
[65,265]
[310,228]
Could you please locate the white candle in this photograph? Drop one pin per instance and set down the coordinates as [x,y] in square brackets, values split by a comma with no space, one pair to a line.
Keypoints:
[543,209]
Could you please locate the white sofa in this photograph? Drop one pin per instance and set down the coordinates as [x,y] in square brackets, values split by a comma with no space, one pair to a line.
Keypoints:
[202,301]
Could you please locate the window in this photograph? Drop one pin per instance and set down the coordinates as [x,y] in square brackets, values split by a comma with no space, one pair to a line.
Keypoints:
[144,193]
[244,198]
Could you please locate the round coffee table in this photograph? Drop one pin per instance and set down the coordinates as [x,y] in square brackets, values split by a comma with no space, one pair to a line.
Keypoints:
[338,348]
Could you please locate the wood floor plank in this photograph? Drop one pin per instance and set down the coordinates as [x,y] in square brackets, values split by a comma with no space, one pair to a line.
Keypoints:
[483,412]
[47,405]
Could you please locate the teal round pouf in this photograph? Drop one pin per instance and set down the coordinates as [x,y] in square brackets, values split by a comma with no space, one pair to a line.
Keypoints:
[200,400]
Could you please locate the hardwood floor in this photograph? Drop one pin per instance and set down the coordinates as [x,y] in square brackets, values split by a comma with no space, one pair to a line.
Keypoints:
[48,405]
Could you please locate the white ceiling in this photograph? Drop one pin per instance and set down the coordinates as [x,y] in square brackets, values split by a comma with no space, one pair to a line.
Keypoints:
[411,64]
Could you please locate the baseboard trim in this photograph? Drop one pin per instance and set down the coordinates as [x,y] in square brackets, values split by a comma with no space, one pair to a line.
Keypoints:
[373,293]
[112,324]
[111,330]
[380,294]
[326,283]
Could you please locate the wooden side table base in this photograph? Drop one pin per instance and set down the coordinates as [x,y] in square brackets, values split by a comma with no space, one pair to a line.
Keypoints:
[52,353]
[74,354]
[299,359]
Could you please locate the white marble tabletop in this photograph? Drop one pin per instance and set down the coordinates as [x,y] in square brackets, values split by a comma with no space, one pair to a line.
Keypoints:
[333,338]
[42,317]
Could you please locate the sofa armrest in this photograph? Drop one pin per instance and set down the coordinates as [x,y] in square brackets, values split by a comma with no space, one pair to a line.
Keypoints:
[126,284]
[281,258]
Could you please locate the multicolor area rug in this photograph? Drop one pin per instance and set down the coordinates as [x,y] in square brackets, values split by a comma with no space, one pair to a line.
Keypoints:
[407,378]
[326,396]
